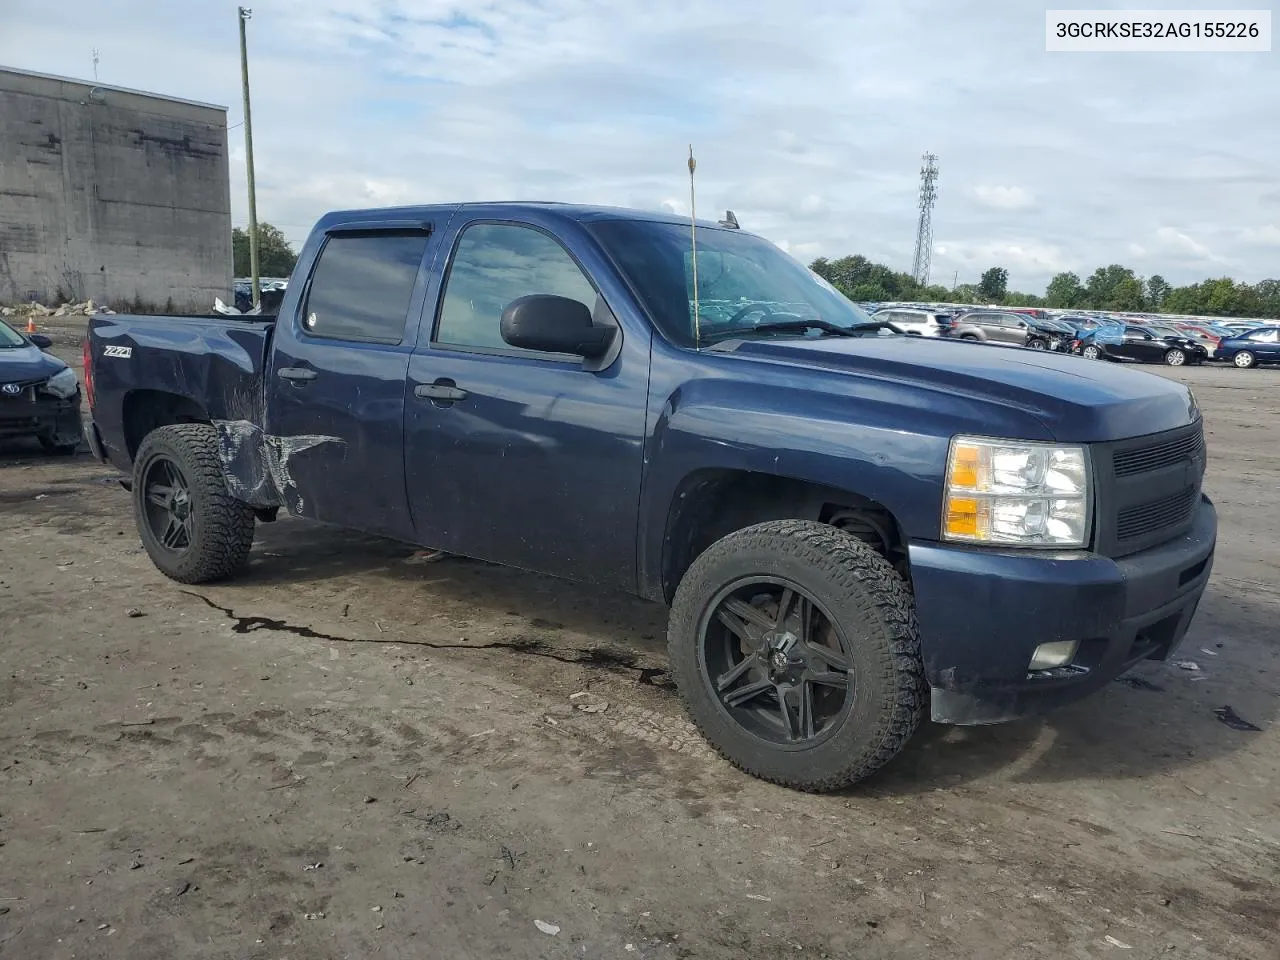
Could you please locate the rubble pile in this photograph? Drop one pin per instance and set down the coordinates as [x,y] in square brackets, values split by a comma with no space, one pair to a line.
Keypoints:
[23,311]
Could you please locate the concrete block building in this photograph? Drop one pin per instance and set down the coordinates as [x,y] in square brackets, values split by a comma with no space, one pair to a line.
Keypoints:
[113,195]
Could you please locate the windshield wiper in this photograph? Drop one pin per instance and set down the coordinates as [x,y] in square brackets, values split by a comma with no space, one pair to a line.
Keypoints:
[799,326]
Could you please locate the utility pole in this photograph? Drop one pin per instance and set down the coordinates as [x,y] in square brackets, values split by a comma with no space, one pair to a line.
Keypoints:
[95,64]
[245,14]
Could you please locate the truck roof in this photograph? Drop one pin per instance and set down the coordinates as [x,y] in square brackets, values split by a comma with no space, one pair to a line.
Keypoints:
[581,213]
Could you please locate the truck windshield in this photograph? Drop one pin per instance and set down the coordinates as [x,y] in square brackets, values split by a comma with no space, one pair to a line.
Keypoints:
[744,282]
[9,337]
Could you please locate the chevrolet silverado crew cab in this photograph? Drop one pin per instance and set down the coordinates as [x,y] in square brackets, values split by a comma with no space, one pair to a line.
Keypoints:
[853,529]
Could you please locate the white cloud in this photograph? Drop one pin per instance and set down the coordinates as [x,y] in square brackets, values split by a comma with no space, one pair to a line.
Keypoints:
[1265,236]
[812,203]
[1044,166]
[1003,198]
[1175,241]
[1023,258]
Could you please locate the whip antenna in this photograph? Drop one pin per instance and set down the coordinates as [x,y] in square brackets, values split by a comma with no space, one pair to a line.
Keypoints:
[693,241]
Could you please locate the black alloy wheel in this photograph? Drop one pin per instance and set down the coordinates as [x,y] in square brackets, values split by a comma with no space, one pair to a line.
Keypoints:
[168,507]
[780,667]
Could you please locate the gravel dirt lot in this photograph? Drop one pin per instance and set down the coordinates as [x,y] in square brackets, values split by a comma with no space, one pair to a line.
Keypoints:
[347,754]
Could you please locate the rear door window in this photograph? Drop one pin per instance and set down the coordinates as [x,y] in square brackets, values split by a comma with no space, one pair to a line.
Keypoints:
[362,286]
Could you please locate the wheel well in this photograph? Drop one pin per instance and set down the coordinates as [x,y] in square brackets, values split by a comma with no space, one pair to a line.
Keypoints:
[711,504]
[146,410]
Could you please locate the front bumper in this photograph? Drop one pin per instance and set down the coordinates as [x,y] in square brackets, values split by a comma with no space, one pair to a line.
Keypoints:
[55,420]
[983,612]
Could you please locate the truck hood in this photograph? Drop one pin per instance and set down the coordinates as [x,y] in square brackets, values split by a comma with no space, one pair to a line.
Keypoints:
[24,364]
[1076,399]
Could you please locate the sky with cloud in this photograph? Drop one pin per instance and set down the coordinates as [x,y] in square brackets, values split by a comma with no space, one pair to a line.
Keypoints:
[808,119]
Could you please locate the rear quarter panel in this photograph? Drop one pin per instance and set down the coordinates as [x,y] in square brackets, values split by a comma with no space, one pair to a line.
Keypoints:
[213,363]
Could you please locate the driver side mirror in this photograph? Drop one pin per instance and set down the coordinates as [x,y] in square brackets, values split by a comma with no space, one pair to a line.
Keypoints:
[40,340]
[554,325]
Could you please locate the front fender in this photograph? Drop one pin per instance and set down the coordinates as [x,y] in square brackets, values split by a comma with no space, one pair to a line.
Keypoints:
[879,441]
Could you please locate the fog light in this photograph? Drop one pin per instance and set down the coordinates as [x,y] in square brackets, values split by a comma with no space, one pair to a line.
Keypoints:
[1056,654]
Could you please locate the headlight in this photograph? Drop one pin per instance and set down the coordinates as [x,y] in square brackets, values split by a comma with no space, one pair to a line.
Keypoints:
[62,384]
[1017,493]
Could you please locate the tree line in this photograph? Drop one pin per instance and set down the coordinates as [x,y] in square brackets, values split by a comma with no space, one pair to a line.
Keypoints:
[1113,287]
[276,256]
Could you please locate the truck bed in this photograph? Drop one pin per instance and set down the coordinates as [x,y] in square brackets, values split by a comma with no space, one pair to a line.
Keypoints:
[208,366]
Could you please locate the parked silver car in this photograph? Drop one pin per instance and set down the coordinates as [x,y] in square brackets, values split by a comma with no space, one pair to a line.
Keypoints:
[927,323]
[996,326]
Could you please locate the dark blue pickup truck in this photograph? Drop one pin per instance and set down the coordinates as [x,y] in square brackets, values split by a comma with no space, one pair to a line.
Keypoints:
[853,529]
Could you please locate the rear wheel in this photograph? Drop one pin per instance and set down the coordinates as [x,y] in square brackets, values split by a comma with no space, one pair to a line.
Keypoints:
[794,647]
[1175,356]
[968,336]
[1244,359]
[192,528]
[1091,352]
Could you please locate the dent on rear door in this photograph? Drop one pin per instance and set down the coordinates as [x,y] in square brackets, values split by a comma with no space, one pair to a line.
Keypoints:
[256,464]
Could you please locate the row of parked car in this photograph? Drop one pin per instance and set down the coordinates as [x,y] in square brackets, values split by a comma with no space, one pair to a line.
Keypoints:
[1243,344]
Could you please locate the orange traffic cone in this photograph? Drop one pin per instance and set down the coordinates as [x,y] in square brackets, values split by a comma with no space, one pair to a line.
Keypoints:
[31,323]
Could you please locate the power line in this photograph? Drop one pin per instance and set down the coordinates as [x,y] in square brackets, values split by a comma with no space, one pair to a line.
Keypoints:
[924,227]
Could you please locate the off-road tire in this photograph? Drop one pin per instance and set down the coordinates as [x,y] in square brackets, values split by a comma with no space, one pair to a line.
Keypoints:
[1248,356]
[222,526]
[873,607]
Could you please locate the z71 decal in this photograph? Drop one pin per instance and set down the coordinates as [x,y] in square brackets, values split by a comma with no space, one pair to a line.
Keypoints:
[123,352]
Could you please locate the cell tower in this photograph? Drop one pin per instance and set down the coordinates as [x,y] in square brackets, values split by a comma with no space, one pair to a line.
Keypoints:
[924,229]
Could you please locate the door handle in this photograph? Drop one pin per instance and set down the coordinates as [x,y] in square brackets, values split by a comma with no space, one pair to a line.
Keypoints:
[440,390]
[296,374]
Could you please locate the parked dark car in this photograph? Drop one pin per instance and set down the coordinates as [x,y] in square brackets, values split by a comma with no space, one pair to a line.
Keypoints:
[1250,349]
[1143,344]
[270,295]
[1046,334]
[854,529]
[39,394]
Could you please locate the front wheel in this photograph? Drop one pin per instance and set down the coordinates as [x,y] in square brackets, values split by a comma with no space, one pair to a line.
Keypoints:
[1175,357]
[794,648]
[1037,344]
[192,528]
[1244,359]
